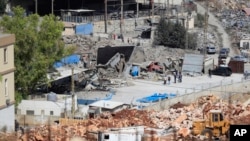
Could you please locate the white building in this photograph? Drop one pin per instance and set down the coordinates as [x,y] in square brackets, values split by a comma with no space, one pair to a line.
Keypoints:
[123,134]
[34,112]
[104,106]
[7,85]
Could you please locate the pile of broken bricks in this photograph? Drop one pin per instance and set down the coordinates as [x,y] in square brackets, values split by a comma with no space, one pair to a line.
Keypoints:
[181,117]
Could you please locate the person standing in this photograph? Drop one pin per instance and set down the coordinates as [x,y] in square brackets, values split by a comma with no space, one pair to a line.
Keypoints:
[169,79]
[245,74]
[180,77]
[175,75]
[165,80]
[209,73]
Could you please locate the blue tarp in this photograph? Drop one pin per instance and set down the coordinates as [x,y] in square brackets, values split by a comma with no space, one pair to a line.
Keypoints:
[84,29]
[72,59]
[156,97]
[135,71]
[85,101]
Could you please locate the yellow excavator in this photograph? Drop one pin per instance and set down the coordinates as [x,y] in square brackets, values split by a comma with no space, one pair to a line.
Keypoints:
[214,126]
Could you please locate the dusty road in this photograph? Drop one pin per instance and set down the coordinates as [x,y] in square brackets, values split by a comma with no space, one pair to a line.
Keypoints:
[212,20]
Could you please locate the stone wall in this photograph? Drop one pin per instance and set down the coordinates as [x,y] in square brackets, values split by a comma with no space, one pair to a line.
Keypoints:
[222,92]
[114,25]
[31,120]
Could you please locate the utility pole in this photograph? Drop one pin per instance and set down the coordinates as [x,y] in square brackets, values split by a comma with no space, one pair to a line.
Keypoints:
[153,7]
[172,7]
[52,7]
[182,8]
[106,16]
[121,19]
[68,4]
[205,30]
[36,6]
[187,26]
[137,9]
[168,12]
[73,93]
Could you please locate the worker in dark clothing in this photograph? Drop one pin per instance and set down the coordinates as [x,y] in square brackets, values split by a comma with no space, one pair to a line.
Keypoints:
[165,81]
[209,73]
[180,77]
[175,75]
[169,80]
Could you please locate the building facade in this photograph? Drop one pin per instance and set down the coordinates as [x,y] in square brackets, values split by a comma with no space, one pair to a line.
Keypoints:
[7,88]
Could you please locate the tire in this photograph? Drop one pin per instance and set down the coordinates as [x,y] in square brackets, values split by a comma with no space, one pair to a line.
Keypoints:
[208,133]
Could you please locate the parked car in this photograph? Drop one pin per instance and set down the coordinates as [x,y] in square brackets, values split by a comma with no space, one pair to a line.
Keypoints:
[240,58]
[223,54]
[225,49]
[222,70]
[211,50]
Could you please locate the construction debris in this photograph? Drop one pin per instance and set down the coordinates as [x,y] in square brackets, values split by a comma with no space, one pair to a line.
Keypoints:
[179,118]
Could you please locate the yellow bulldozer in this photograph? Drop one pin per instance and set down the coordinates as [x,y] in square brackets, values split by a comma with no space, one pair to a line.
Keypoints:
[214,126]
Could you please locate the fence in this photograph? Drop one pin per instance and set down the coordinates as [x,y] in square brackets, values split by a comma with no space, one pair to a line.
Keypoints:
[223,90]
[65,121]
[96,18]
[83,19]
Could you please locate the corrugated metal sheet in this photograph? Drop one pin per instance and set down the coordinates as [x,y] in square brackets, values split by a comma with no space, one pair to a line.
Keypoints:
[84,29]
[104,54]
[236,66]
[193,63]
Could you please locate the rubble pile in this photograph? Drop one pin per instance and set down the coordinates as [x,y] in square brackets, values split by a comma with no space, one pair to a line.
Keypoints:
[179,116]
[212,39]
[85,43]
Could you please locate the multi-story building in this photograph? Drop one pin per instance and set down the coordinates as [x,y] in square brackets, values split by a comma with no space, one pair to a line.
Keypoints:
[7,91]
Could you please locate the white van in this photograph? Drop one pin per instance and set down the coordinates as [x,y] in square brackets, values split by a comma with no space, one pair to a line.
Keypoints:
[211,50]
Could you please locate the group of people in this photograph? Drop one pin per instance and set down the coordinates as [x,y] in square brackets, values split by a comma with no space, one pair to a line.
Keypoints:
[177,77]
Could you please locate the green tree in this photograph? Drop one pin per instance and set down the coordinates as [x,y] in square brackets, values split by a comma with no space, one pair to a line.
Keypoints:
[162,33]
[170,34]
[177,38]
[38,45]
[199,21]
[2,6]
[192,41]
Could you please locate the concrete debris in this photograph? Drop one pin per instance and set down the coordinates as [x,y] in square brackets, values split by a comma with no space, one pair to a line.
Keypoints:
[177,120]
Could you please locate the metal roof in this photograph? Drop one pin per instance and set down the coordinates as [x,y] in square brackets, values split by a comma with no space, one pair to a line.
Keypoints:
[193,63]
[34,104]
[106,104]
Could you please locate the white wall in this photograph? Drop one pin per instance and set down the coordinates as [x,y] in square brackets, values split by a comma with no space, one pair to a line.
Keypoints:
[7,118]
[244,41]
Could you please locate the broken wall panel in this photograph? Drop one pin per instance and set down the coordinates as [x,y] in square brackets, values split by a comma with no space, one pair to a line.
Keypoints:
[193,63]
[104,54]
